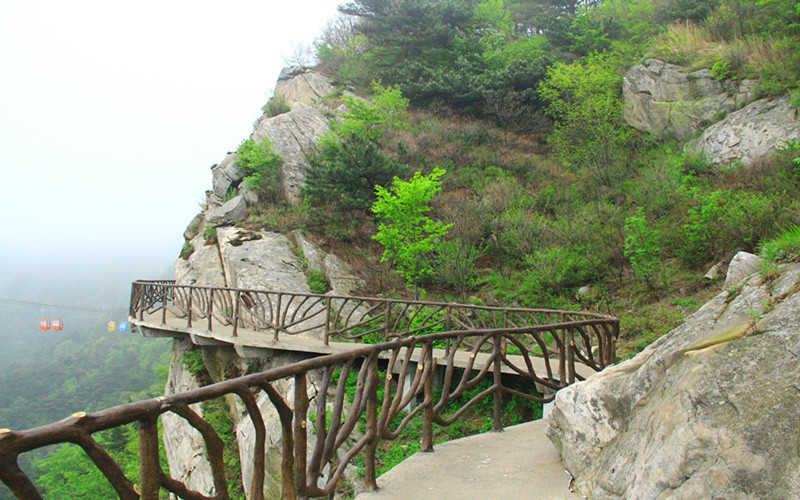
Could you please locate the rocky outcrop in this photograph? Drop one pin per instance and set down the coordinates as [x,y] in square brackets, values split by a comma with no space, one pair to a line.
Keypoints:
[742,265]
[292,135]
[750,134]
[663,98]
[302,88]
[183,444]
[707,411]
[340,274]
[233,210]
[203,267]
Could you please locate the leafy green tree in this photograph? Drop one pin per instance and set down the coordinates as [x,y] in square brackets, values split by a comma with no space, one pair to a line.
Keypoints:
[641,247]
[260,163]
[349,162]
[406,233]
[589,134]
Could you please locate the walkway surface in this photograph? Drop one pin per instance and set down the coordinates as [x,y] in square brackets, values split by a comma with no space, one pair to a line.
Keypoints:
[519,463]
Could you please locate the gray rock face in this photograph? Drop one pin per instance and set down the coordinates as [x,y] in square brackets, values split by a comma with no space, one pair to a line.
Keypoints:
[194,227]
[224,174]
[683,421]
[661,98]
[742,265]
[231,211]
[184,446]
[204,266]
[292,134]
[265,261]
[302,88]
[750,134]
[340,274]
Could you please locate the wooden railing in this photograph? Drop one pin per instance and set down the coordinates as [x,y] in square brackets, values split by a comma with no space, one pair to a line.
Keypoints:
[557,337]
[405,365]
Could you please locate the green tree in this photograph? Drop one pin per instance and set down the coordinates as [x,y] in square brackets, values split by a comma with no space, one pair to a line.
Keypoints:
[589,134]
[349,162]
[641,247]
[260,163]
[406,233]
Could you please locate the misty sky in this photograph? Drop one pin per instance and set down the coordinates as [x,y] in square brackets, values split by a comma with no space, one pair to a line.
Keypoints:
[112,113]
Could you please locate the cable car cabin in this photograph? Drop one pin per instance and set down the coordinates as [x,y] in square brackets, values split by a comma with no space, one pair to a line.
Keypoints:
[57,324]
[112,326]
[44,324]
[123,326]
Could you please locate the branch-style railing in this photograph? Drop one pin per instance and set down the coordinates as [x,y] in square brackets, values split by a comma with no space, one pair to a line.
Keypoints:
[556,337]
[318,446]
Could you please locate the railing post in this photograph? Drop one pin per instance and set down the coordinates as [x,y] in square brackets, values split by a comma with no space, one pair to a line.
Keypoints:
[300,436]
[327,321]
[448,326]
[191,293]
[163,304]
[210,307]
[370,481]
[236,313]
[498,383]
[387,325]
[571,356]
[276,322]
[427,423]
[148,459]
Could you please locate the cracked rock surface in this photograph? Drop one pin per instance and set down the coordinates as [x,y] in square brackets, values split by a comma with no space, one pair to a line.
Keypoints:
[681,420]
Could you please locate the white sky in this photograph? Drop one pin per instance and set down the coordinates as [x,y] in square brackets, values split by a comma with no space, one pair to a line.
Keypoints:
[112,112]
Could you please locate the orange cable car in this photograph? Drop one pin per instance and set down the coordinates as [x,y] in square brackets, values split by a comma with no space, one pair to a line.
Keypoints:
[57,324]
[44,324]
[112,326]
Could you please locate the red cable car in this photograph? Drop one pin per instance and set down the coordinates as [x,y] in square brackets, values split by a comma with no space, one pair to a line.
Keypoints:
[44,324]
[57,324]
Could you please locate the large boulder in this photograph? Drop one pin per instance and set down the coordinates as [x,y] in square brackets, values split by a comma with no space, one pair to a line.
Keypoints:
[302,88]
[707,411]
[750,134]
[293,135]
[226,175]
[663,98]
[230,212]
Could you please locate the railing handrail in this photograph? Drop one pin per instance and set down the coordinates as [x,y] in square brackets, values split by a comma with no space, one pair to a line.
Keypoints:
[173,283]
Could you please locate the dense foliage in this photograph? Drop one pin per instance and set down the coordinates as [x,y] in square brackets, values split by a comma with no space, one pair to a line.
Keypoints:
[548,190]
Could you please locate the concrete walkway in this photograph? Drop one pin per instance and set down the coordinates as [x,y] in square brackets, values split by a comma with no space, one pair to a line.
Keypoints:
[519,463]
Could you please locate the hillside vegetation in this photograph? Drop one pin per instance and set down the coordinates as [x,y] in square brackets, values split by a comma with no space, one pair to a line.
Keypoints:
[546,189]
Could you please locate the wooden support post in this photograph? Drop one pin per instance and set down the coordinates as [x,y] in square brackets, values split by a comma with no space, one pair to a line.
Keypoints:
[327,321]
[571,356]
[236,313]
[498,383]
[370,480]
[427,423]
[189,324]
[300,434]
[149,468]
[210,307]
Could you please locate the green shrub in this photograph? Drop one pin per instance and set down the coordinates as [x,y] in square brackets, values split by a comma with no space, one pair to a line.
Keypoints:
[210,235]
[318,282]
[454,267]
[783,248]
[261,165]
[193,361]
[186,251]
[276,106]
[641,247]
